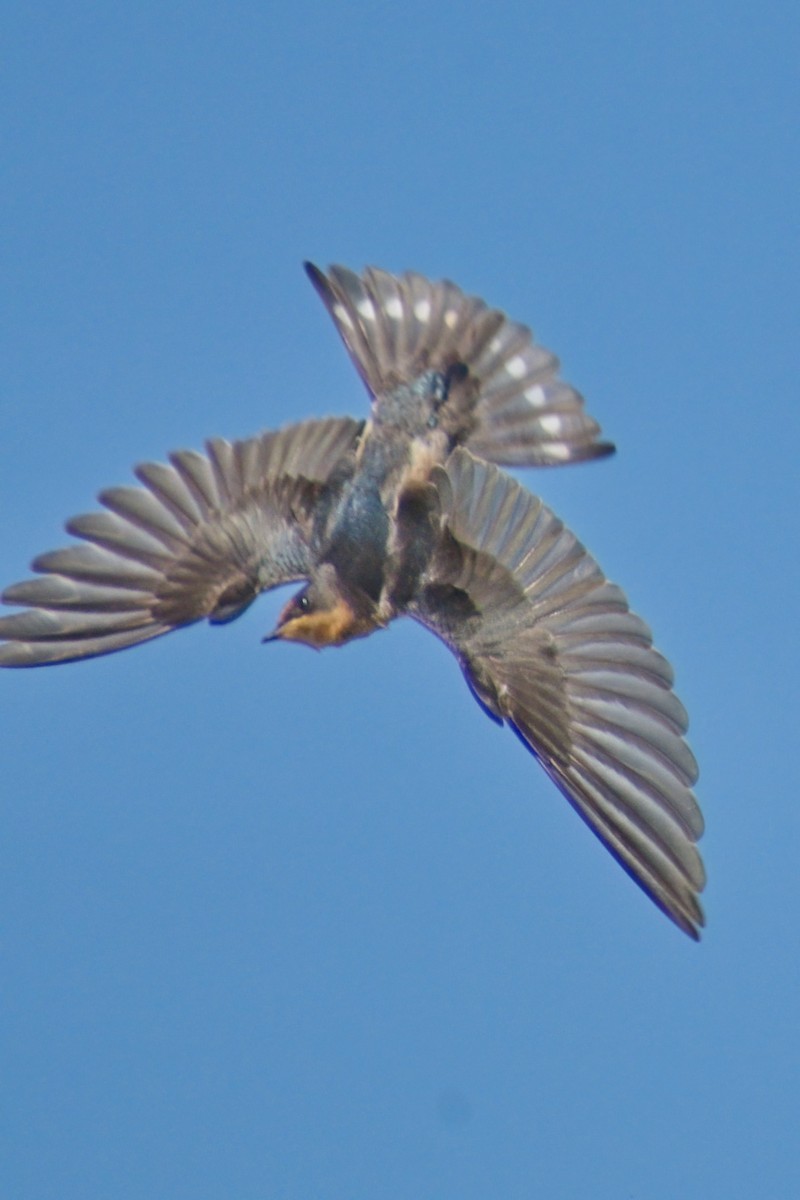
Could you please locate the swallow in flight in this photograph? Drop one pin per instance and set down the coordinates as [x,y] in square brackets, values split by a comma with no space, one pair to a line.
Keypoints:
[408,514]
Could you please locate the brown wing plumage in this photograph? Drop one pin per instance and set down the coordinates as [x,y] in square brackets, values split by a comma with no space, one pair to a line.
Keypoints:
[200,538]
[397,326]
[549,645]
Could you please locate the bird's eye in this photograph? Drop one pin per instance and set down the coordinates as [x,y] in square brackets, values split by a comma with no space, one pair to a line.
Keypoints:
[303,602]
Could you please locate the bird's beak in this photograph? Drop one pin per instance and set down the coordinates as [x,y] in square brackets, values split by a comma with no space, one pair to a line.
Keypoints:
[277,636]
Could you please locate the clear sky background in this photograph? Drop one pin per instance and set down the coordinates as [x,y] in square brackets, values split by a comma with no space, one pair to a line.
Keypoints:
[292,926]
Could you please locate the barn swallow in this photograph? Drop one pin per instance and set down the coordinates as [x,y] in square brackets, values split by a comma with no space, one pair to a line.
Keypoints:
[408,514]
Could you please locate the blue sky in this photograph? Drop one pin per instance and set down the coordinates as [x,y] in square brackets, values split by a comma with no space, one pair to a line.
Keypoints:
[289,925]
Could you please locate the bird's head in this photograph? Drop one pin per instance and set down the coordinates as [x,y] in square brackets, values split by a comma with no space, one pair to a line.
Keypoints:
[320,615]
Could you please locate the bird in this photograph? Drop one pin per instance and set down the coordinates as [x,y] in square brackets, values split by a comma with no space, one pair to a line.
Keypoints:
[408,512]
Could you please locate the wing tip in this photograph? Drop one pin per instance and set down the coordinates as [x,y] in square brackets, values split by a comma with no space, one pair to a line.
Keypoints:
[316,275]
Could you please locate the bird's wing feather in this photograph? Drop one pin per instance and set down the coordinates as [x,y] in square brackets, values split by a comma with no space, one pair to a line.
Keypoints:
[200,538]
[397,326]
[550,646]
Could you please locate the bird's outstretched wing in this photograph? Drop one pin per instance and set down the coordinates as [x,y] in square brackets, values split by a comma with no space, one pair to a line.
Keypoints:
[549,645]
[200,538]
[397,326]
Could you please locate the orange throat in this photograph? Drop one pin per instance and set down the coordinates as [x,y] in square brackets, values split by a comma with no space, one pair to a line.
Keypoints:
[333,627]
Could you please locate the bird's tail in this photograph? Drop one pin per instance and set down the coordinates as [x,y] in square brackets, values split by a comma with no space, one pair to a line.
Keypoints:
[397,326]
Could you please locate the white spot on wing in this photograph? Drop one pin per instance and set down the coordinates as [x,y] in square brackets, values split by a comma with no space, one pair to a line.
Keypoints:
[551,423]
[366,308]
[342,315]
[517,367]
[394,308]
[536,396]
[422,310]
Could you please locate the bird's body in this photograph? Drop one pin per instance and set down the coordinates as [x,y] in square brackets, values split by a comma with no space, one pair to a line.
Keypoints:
[377,536]
[406,514]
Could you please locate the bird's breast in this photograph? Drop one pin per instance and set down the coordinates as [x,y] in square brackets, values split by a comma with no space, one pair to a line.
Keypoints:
[366,529]
[357,544]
